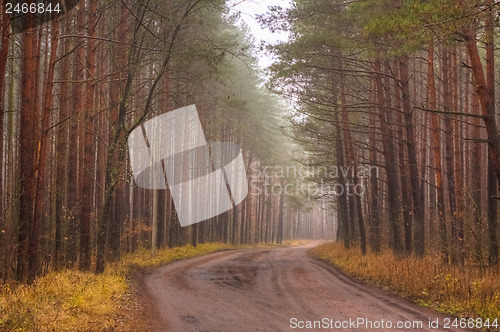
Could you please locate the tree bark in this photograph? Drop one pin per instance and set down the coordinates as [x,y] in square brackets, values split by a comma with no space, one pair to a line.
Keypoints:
[27,158]
[350,155]
[41,193]
[485,91]
[87,173]
[4,52]
[449,151]
[61,211]
[390,165]
[436,147]
[403,169]
[418,204]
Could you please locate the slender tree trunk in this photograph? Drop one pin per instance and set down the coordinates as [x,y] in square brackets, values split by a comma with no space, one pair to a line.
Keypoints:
[27,158]
[432,196]
[75,106]
[492,216]
[87,173]
[354,161]
[374,191]
[342,206]
[436,147]
[418,204]
[41,194]
[403,169]
[281,212]
[492,163]
[476,176]
[154,226]
[485,90]
[457,160]
[61,212]
[449,150]
[390,166]
[12,208]
[4,52]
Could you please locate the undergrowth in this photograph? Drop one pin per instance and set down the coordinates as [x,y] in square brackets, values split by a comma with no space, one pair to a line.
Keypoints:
[72,300]
[464,291]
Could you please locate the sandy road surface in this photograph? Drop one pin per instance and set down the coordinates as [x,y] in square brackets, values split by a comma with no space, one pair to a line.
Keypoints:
[262,290]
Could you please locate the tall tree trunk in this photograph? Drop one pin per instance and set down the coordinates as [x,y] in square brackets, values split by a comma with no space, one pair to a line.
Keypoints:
[476,176]
[418,204]
[87,173]
[485,89]
[61,211]
[353,160]
[436,147]
[12,212]
[492,188]
[457,160]
[492,216]
[4,52]
[26,130]
[449,150]
[402,153]
[75,106]
[281,212]
[154,221]
[342,206]
[41,193]
[81,114]
[390,166]
[374,191]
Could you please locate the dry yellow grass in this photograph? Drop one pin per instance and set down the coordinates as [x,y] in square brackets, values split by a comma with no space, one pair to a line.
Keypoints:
[464,291]
[81,301]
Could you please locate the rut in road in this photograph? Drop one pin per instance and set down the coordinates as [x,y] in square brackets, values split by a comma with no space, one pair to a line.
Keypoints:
[262,290]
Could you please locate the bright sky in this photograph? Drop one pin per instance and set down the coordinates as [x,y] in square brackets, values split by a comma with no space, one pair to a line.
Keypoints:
[249,9]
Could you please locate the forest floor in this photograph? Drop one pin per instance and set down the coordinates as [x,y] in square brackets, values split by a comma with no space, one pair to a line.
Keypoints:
[270,290]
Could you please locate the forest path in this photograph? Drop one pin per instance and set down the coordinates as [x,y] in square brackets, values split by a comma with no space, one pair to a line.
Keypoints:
[264,289]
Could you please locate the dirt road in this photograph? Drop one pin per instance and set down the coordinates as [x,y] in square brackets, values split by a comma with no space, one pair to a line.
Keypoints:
[273,290]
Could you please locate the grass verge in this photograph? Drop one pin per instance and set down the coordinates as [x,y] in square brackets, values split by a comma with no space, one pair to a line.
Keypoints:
[74,300]
[463,291]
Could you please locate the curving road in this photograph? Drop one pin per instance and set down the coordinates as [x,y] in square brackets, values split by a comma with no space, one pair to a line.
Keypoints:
[273,290]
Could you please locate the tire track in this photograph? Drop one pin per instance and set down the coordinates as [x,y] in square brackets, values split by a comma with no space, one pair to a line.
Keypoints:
[262,290]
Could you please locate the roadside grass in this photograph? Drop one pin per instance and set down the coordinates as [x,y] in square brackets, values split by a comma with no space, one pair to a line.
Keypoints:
[464,291]
[73,300]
